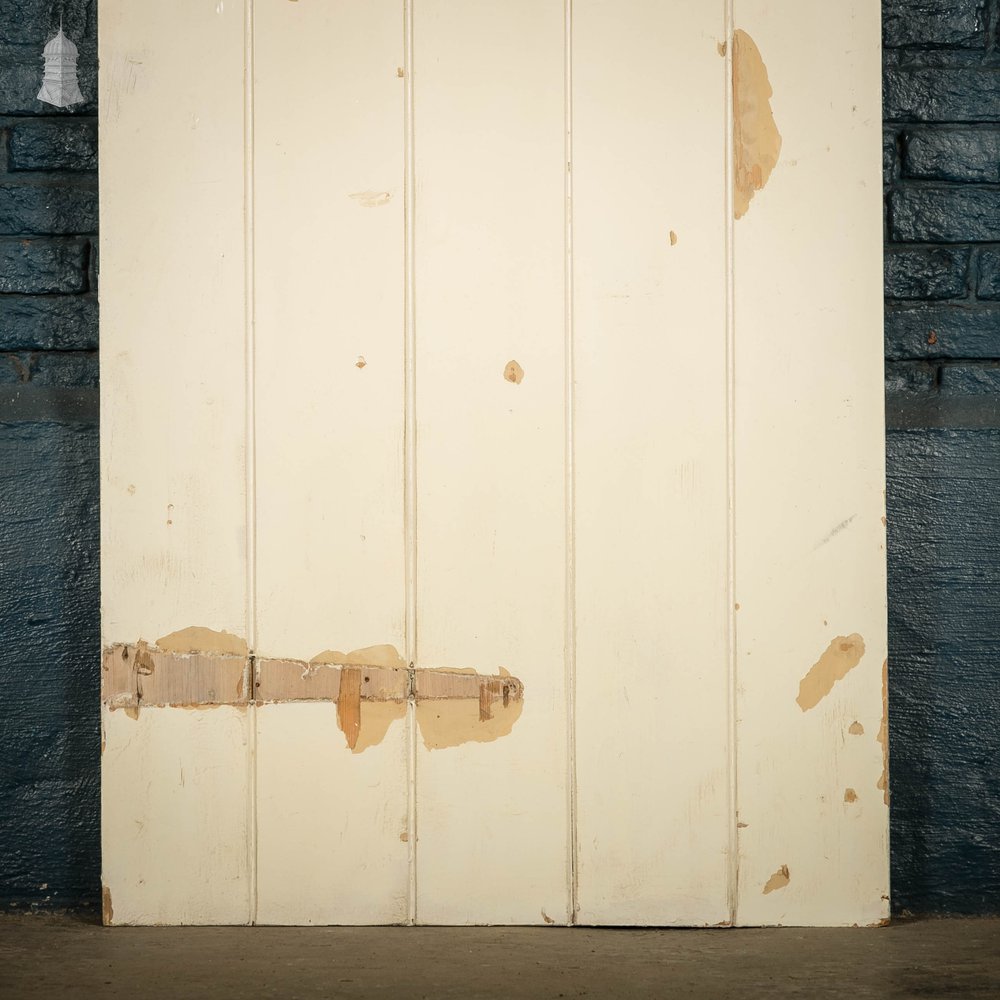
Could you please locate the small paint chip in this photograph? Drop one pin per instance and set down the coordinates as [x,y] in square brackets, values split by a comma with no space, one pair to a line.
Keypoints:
[850,795]
[756,140]
[778,880]
[404,837]
[513,372]
[720,47]
[107,909]
[932,338]
[371,199]
[842,655]
[673,238]
[883,735]
[856,729]
[399,72]
[360,363]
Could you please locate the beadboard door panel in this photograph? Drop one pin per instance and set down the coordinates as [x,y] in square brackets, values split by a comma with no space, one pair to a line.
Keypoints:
[810,504]
[492,463]
[650,445]
[328,350]
[175,790]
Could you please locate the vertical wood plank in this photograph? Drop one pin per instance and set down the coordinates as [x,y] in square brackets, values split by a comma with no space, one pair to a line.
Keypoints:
[651,462]
[172,444]
[329,284]
[810,557]
[488,91]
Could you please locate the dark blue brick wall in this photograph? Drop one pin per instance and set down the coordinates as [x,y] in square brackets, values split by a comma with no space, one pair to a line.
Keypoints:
[49,587]
[942,342]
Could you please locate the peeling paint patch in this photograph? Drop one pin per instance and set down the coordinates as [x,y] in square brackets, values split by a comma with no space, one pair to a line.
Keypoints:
[513,372]
[856,729]
[756,140]
[850,795]
[841,656]
[883,735]
[107,909]
[197,639]
[371,199]
[778,880]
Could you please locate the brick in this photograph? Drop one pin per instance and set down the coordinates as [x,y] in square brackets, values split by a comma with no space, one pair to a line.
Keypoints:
[934,273]
[953,154]
[910,378]
[942,331]
[48,322]
[21,78]
[58,145]
[47,209]
[30,22]
[43,266]
[988,285]
[930,22]
[945,215]
[941,94]
[970,379]
[888,157]
[67,370]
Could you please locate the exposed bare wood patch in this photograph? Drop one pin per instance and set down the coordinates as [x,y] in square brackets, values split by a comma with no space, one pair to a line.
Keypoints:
[513,372]
[840,657]
[756,140]
[137,676]
[856,729]
[883,735]
[778,880]
[349,704]
[370,687]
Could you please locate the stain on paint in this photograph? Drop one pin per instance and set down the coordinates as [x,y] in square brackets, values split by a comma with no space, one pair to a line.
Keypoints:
[883,735]
[107,909]
[836,530]
[850,795]
[842,655]
[196,639]
[673,238]
[446,724]
[371,199]
[513,372]
[360,363]
[349,705]
[778,880]
[856,729]
[756,140]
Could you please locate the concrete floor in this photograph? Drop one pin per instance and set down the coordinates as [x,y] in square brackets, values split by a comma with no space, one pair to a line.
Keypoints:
[67,957]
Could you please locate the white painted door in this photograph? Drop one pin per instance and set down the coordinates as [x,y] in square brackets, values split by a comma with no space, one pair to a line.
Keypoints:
[492,462]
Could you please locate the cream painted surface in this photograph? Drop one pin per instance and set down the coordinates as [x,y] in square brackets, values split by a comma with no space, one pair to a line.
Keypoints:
[810,458]
[175,788]
[172,302]
[491,817]
[651,463]
[619,438]
[328,224]
[174,816]
[332,823]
